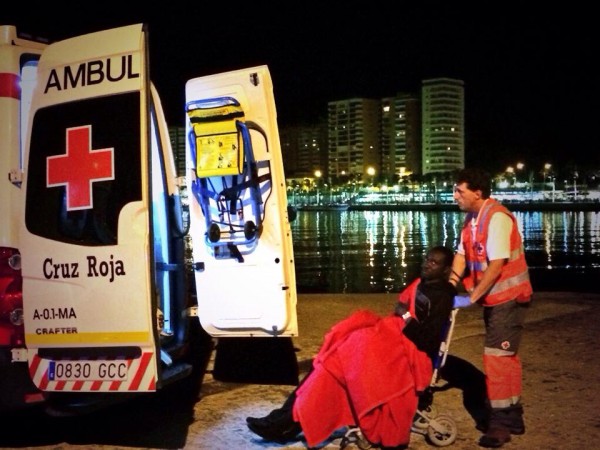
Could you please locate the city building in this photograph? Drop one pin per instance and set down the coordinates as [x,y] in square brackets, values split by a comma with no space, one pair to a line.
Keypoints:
[387,139]
[400,136]
[354,145]
[304,150]
[443,125]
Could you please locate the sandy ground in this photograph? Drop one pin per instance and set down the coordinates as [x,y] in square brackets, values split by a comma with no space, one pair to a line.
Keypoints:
[561,362]
[561,374]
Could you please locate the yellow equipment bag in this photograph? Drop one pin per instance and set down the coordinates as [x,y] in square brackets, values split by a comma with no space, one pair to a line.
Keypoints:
[219,148]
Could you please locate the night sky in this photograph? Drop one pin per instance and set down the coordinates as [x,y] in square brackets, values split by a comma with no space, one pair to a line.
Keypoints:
[528,72]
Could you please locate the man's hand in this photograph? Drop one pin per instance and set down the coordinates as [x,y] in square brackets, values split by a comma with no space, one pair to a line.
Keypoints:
[462,301]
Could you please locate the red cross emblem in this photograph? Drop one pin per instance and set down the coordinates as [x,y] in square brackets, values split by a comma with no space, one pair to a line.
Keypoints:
[80,167]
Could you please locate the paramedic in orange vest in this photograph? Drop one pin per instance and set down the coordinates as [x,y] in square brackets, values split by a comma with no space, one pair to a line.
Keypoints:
[490,261]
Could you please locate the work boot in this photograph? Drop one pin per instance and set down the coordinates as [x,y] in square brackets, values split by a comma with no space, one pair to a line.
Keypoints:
[277,426]
[511,418]
[499,428]
[496,436]
[514,420]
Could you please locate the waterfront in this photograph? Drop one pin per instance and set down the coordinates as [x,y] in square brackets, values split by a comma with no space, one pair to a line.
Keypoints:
[375,251]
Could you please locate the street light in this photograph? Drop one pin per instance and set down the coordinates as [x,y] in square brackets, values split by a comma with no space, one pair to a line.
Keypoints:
[511,171]
[371,173]
[520,167]
[547,168]
[548,173]
[318,175]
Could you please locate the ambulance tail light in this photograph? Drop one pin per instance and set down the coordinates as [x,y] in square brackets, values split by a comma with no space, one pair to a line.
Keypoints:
[11,298]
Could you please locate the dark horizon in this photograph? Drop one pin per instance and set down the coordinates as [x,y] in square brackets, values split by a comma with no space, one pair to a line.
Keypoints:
[528,81]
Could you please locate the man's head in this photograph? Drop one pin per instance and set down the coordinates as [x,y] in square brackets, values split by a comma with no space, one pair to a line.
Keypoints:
[437,264]
[472,187]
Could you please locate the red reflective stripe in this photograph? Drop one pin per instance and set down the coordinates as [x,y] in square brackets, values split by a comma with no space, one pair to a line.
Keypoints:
[152,385]
[135,383]
[33,368]
[44,381]
[34,365]
[10,86]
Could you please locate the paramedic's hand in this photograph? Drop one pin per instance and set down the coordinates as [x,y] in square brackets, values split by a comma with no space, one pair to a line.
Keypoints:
[462,301]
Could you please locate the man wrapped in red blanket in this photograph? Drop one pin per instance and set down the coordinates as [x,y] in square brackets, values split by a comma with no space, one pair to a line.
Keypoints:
[371,369]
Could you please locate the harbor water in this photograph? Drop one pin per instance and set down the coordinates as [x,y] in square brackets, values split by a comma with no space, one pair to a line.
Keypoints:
[381,251]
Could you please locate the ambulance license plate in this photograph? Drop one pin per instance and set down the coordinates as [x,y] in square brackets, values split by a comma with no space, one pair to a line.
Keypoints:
[87,370]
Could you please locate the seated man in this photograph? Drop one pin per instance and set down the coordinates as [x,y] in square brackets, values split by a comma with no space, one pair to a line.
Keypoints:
[371,369]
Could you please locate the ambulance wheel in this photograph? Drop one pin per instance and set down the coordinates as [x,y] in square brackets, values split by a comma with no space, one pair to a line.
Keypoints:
[445,431]
[214,233]
[250,230]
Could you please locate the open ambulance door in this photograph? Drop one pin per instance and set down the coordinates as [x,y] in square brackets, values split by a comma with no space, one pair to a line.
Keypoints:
[98,254]
[242,243]
[241,238]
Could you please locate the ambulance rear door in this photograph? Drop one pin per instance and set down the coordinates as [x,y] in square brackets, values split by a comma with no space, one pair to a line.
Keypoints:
[242,244]
[89,295]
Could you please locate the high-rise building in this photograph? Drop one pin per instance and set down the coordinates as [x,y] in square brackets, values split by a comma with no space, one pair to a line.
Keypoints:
[400,136]
[304,150]
[443,125]
[353,127]
[384,139]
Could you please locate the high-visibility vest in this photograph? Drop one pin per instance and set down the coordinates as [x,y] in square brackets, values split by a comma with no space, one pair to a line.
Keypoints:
[513,283]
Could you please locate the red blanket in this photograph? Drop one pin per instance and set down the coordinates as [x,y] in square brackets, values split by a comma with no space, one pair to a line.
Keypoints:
[367,373]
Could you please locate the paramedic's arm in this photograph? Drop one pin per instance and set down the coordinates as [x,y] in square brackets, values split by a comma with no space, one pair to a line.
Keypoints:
[498,251]
[490,276]
[458,268]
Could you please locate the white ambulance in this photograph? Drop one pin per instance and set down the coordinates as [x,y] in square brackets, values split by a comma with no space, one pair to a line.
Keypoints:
[18,66]
[111,305]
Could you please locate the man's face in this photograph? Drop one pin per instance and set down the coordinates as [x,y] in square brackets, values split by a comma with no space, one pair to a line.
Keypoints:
[433,266]
[466,199]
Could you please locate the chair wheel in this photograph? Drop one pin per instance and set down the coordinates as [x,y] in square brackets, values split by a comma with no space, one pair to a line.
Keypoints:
[442,431]
[214,232]
[250,230]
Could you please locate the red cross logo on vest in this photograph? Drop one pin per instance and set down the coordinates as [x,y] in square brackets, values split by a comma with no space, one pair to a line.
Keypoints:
[80,167]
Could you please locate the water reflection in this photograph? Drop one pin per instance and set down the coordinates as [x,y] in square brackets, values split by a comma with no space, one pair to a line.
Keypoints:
[380,251]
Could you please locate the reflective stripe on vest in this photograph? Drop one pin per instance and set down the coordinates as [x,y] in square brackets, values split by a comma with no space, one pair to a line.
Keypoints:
[513,282]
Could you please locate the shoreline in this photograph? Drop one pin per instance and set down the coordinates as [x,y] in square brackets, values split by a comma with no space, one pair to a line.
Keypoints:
[516,206]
